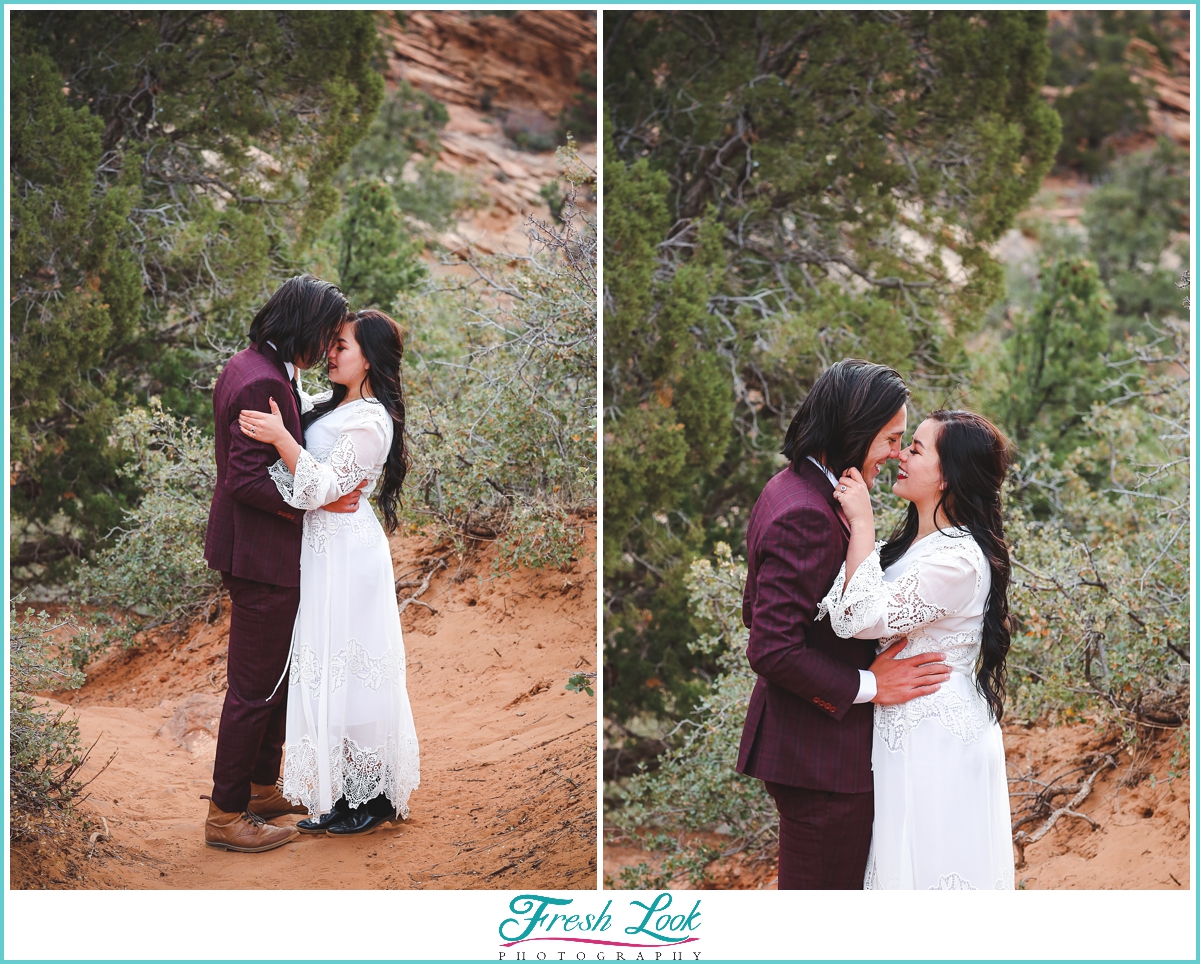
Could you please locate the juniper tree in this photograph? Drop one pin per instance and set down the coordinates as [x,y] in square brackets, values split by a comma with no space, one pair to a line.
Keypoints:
[1055,363]
[166,166]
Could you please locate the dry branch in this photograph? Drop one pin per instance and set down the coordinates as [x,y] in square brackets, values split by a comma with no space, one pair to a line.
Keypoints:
[1021,839]
[439,563]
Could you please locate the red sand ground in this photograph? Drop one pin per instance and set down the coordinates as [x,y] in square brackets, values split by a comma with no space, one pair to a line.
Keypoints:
[1142,842]
[508,756]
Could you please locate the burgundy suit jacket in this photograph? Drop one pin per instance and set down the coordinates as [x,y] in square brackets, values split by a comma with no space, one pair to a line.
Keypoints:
[252,532]
[803,728]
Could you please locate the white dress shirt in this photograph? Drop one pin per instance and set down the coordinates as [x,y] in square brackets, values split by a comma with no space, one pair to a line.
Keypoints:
[291,369]
[867,687]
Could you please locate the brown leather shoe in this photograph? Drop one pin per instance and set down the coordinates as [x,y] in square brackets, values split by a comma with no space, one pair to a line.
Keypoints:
[245,832]
[268,802]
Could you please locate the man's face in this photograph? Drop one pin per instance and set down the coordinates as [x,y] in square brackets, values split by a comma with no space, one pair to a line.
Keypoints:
[886,446]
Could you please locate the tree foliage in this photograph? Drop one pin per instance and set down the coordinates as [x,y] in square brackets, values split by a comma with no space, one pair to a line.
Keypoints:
[783,189]
[1090,60]
[376,256]
[167,168]
[1054,362]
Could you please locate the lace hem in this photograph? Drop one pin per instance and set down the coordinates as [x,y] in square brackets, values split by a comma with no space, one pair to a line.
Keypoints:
[958,882]
[951,881]
[351,661]
[357,773]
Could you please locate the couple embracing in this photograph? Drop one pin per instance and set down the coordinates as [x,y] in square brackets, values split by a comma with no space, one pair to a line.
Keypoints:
[316,658]
[875,718]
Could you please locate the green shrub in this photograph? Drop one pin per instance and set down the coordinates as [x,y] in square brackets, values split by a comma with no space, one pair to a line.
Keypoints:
[45,752]
[1133,219]
[696,787]
[376,256]
[401,148]
[154,568]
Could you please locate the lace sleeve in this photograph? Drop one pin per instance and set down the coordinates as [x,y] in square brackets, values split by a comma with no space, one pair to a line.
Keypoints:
[359,453]
[861,605]
[930,589]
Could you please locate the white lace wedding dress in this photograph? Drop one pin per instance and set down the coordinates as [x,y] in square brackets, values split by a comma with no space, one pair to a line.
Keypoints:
[349,724]
[942,819]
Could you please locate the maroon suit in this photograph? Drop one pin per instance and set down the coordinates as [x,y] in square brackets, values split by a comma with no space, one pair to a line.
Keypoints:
[253,539]
[804,735]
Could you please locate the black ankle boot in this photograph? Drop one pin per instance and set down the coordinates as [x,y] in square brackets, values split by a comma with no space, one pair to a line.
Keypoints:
[322,823]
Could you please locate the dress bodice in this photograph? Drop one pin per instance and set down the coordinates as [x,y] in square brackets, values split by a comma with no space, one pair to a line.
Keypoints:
[935,595]
[361,424]
[348,445]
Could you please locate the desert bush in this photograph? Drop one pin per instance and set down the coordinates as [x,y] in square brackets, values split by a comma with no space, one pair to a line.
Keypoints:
[502,393]
[1132,222]
[1101,589]
[153,567]
[696,787]
[45,752]
[1108,103]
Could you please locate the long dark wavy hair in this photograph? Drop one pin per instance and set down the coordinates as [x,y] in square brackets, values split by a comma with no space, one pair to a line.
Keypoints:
[843,412]
[382,343]
[974,457]
[301,319]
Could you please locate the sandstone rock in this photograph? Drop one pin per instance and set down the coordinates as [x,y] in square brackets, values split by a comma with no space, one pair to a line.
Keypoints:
[195,723]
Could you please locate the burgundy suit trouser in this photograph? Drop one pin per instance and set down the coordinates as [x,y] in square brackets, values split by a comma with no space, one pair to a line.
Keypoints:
[824,837]
[250,740]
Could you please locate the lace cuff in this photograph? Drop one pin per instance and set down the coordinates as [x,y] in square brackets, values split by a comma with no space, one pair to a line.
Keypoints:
[301,490]
[854,607]
[308,402]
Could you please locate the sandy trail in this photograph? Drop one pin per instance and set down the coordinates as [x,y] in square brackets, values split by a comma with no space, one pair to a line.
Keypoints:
[508,756]
[1143,814]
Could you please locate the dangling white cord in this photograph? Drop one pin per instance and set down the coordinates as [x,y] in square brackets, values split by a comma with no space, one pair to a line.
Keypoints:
[286,666]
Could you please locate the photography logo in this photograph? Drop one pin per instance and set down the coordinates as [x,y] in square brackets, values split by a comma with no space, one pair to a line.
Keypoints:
[557,929]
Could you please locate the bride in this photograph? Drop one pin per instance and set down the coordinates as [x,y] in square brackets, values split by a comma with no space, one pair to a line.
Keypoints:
[351,749]
[942,819]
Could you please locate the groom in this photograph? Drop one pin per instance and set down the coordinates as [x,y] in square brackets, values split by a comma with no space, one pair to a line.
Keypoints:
[808,728]
[253,540]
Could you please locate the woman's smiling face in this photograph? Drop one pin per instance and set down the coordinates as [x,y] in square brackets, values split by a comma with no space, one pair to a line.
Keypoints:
[920,476]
